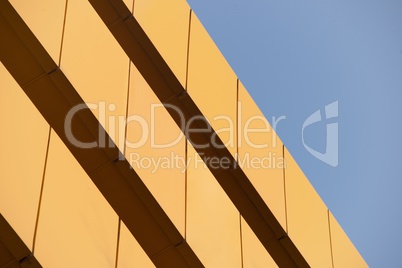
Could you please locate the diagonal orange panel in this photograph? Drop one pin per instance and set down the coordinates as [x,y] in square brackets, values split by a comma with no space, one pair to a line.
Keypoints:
[169,90]
[13,251]
[54,96]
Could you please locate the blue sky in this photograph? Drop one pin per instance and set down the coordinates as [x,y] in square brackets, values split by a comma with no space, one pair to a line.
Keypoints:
[295,57]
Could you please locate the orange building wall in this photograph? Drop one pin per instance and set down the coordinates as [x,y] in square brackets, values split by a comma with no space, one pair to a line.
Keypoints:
[59,213]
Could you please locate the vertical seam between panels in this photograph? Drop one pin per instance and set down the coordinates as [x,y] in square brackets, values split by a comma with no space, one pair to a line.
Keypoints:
[241,242]
[237,120]
[41,191]
[186,142]
[237,159]
[48,141]
[124,150]
[62,33]
[132,8]
[127,107]
[330,239]
[188,48]
[118,244]
[185,188]
[284,188]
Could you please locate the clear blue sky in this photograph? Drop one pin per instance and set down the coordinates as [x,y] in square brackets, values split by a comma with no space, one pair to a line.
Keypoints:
[295,57]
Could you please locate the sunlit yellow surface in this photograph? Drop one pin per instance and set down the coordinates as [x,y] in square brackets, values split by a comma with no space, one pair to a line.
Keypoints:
[129,4]
[24,136]
[166,23]
[307,216]
[96,65]
[344,253]
[212,84]
[156,149]
[254,253]
[213,222]
[130,252]
[261,155]
[77,227]
[45,19]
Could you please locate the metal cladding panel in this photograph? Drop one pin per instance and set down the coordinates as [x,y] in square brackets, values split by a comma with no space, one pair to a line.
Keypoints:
[212,84]
[24,135]
[45,19]
[166,86]
[32,67]
[95,63]
[130,252]
[77,227]
[261,155]
[344,253]
[254,253]
[307,216]
[213,222]
[129,4]
[156,149]
[97,67]
[167,25]
[13,251]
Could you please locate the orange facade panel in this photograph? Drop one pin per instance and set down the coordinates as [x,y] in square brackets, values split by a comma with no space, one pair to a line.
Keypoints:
[167,25]
[344,253]
[253,252]
[22,157]
[39,76]
[307,217]
[199,201]
[213,222]
[169,90]
[130,253]
[212,84]
[76,227]
[155,148]
[13,252]
[97,67]
[261,154]
[45,18]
